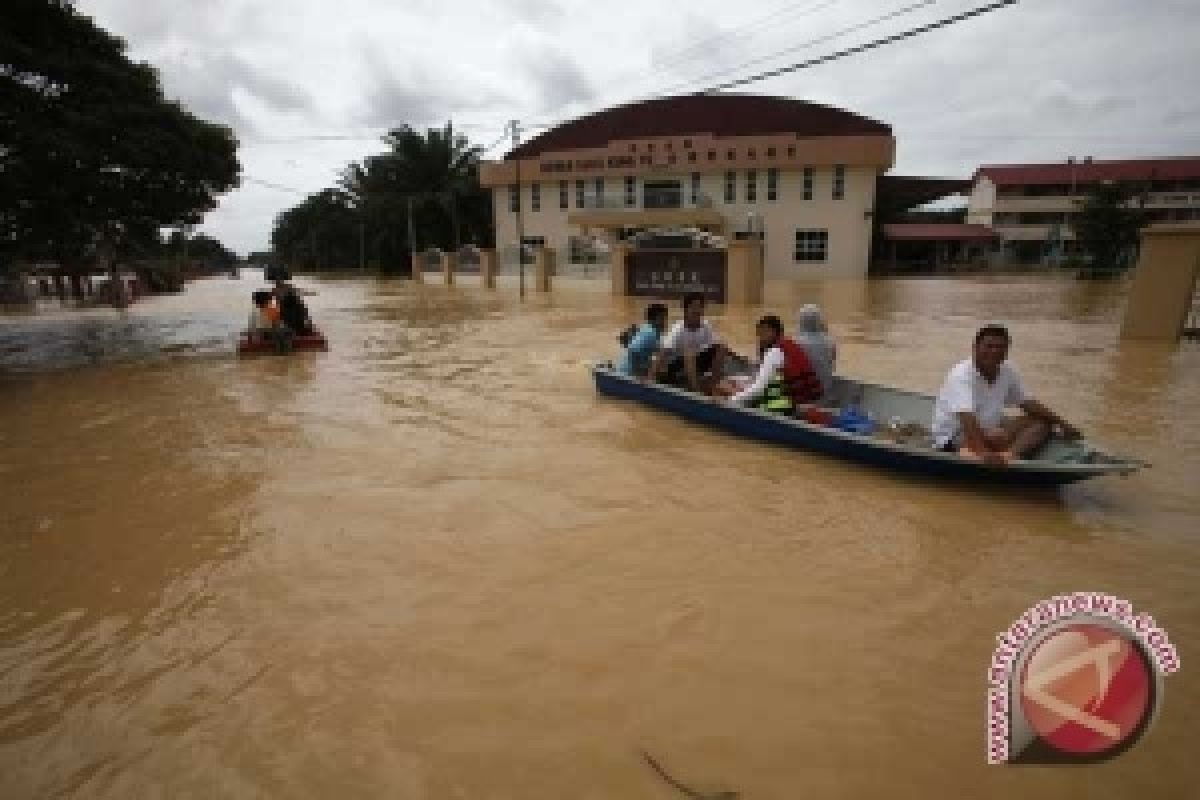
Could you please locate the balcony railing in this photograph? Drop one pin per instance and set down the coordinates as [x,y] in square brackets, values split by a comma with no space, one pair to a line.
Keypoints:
[651,201]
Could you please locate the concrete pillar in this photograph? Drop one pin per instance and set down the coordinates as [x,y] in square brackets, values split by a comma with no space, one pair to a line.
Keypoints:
[544,261]
[1164,282]
[619,255]
[449,267]
[744,270]
[487,269]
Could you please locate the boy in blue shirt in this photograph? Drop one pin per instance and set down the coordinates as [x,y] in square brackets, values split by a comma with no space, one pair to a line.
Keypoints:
[643,344]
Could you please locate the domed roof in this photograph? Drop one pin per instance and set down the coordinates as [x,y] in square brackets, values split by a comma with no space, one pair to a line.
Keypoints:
[717,114]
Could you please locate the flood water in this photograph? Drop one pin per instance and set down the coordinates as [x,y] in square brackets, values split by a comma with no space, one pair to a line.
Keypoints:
[432,563]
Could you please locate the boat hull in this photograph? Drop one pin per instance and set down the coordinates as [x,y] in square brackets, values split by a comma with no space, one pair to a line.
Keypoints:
[306,342]
[794,433]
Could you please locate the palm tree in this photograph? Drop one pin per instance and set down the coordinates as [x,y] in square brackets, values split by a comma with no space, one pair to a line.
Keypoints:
[438,169]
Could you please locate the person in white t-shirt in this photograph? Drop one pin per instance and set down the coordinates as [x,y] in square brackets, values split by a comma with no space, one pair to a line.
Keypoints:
[968,416]
[690,349]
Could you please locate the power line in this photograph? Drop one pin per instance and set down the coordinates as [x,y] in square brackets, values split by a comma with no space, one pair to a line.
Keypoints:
[803,45]
[734,33]
[942,23]
[276,186]
[504,135]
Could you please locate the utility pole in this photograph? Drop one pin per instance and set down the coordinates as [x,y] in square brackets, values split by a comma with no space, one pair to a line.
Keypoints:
[412,243]
[362,246]
[516,139]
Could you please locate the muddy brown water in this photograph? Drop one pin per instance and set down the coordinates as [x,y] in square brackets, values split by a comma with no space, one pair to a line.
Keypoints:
[432,563]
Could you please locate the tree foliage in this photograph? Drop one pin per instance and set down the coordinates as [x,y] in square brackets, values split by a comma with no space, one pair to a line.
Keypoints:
[91,152]
[437,171]
[1107,226]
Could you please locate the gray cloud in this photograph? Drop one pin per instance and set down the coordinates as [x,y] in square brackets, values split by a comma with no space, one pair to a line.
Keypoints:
[420,96]
[558,82]
[541,12]
[1038,81]
[208,84]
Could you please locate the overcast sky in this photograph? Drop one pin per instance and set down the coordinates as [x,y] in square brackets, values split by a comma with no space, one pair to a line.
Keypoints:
[1041,80]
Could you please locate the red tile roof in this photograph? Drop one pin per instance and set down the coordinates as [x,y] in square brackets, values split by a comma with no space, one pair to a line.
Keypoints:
[938,232]
[1165,169]
[716,114]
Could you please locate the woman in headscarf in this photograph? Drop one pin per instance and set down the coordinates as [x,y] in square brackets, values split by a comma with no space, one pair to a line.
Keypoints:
[813,335]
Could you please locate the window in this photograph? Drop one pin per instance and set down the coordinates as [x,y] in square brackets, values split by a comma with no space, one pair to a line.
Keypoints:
[535,197]
[529,245]
[662,194]
[751,186]
[753,154]
[770,152]
[687,144]
[692,158]
[791,152]
[514,198]
[839,181]
[809,175]
[695,193]
[647,160]
[712,155]
[730,155]
[730,183]
[668,146]
[598,185]
[630,191]
[580,200]
[772,185]
[671,159]
[650,147]
[564,195]
[812,245]
[633,147]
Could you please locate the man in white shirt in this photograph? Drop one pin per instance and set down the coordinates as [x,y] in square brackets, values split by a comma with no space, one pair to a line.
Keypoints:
[968,416]
[690,349]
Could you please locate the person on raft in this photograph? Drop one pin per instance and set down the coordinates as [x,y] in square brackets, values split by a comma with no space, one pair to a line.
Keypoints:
[292,310]
[641,342]
[692,355]
[785,377]
[264,324]
[968,415]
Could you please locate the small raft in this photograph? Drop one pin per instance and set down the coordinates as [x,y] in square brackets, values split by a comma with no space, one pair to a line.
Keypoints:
[309,341]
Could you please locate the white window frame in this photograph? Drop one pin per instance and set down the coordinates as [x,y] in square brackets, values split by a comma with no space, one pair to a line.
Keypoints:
[811,246]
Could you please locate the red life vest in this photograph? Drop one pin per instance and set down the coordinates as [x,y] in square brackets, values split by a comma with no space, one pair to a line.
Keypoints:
[799,378]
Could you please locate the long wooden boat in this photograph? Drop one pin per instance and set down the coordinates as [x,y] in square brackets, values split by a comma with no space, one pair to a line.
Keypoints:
[1058,462]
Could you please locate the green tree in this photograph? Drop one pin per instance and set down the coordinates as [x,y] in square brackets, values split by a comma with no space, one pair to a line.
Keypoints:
[94,160]
[1107,226]
[321,232]
[436,171]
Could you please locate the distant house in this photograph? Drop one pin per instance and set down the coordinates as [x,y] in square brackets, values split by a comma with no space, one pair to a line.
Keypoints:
[1030,206]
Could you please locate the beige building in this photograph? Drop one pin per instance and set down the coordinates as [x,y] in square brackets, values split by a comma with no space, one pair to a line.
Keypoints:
[1030,206]
[718,167]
